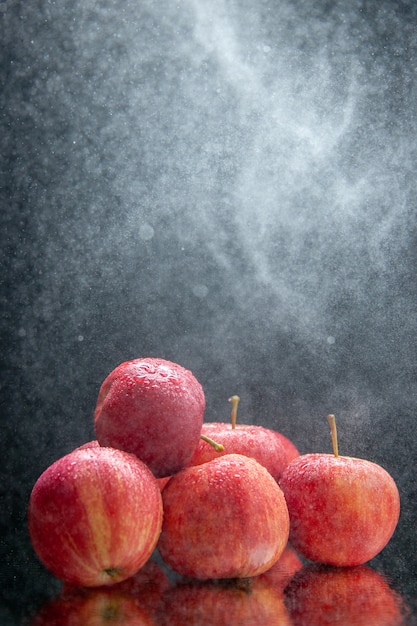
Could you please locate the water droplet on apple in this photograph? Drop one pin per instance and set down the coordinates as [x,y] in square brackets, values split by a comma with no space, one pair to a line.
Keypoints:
[219,476]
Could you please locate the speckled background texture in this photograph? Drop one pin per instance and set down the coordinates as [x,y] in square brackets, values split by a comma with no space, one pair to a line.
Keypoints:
[230,185]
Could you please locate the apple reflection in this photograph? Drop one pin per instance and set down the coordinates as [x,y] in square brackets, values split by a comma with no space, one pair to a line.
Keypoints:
[243,602]
[234,602]
[359,596]
[280,574]
[149,598]
[132,602]
[93,607]
[289,594]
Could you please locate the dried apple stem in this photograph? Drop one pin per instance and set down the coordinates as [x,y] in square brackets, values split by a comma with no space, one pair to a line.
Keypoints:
[234,400]
[217,446]
[333,431]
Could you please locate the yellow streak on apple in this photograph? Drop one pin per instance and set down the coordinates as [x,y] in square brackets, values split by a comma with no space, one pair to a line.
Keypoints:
[98,520]
[73,549]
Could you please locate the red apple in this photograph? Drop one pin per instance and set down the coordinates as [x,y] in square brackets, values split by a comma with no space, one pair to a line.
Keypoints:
[163,481]
[94,444]
[268,447]
[252,441]
[222,603]
[343,510]
[324,596]
[226,518]
[153,408]
[95,516]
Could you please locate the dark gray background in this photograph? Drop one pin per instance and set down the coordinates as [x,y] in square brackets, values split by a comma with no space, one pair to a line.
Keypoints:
[230,185]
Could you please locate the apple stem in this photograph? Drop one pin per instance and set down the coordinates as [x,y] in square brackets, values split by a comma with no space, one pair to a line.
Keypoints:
[112,572]
[333,431]
[217,446]
[234,400]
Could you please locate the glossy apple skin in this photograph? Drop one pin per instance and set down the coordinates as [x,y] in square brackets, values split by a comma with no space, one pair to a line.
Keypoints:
[255,442]
[343,510]
[94,444]
[153,408]
[95,516]
[319,595]
[226,518]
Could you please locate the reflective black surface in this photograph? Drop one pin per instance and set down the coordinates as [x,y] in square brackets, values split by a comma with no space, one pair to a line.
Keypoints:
[229,185]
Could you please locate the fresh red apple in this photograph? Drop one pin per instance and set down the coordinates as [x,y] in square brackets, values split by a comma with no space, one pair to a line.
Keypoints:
[262,444]
[94,444]
[343,510]
[226,518]
[95,516]
[153,408]
[252,441]
[323,596]
[222,603]
[163,481]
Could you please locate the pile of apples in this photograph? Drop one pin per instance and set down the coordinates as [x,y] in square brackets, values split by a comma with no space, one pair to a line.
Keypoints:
[217,500]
